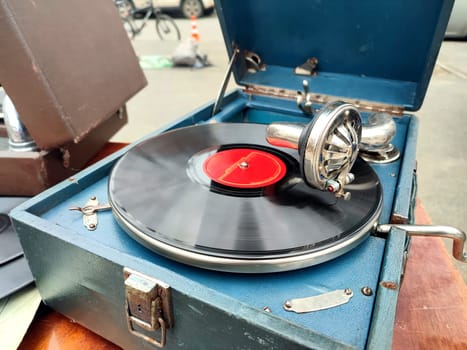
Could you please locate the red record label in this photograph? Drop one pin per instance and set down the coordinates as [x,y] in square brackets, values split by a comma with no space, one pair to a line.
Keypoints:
[244,168]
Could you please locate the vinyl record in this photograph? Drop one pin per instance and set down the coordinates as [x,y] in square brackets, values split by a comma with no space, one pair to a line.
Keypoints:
[218,196]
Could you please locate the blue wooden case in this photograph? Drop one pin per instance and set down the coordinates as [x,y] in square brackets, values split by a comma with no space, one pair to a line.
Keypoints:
[80,273]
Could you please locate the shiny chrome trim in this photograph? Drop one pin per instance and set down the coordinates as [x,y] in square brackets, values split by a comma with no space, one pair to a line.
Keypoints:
[328,145]
[458,236]
[330,117]
[250,265]
[19,139]
[284,134]
[378,132]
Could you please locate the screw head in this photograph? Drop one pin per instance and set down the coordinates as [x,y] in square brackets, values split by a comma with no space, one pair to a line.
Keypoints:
[367,291]
[267,309]
[288,304]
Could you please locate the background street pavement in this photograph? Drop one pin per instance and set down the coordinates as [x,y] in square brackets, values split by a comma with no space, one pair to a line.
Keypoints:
[442,164]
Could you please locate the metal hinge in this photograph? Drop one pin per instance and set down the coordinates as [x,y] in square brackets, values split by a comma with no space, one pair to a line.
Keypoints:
[323,99]
[148,305]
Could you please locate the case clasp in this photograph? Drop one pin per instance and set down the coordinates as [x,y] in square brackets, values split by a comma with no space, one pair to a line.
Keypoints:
[148,304]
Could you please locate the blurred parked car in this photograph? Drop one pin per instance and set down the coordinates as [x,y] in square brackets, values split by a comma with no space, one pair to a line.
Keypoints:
[457,25]
[187,8]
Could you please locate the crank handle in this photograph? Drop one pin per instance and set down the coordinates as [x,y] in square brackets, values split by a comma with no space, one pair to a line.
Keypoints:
[458,236]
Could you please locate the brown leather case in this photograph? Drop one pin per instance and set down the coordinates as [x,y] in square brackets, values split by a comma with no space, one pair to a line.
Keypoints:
[68,67]
[29,173]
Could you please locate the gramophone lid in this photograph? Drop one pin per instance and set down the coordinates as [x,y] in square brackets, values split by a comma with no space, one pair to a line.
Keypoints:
[367,50]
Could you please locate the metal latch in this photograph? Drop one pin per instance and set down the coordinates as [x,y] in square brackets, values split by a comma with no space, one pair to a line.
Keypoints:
[308,68]
[148,304]
[89,212]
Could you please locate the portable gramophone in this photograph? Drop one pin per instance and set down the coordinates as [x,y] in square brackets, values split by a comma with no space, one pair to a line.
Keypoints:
[277,217]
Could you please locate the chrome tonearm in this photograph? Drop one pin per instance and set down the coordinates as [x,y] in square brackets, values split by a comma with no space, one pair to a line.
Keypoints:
[328,145]
[375,144]
[331,142]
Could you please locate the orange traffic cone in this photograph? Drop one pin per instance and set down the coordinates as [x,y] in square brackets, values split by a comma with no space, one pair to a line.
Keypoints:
[194,30]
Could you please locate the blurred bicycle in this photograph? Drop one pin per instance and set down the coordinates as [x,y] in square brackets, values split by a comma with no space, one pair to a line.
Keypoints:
[165,25]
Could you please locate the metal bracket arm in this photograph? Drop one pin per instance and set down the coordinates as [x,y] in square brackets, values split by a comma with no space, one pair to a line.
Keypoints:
[221,93]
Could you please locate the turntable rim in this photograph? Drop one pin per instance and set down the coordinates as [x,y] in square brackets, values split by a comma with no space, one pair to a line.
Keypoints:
[254,242]
[252,265]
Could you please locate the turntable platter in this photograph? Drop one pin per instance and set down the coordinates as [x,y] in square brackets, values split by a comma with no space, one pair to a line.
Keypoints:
[218,196]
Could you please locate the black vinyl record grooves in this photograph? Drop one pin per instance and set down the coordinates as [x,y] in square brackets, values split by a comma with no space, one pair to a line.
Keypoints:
[161,195]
